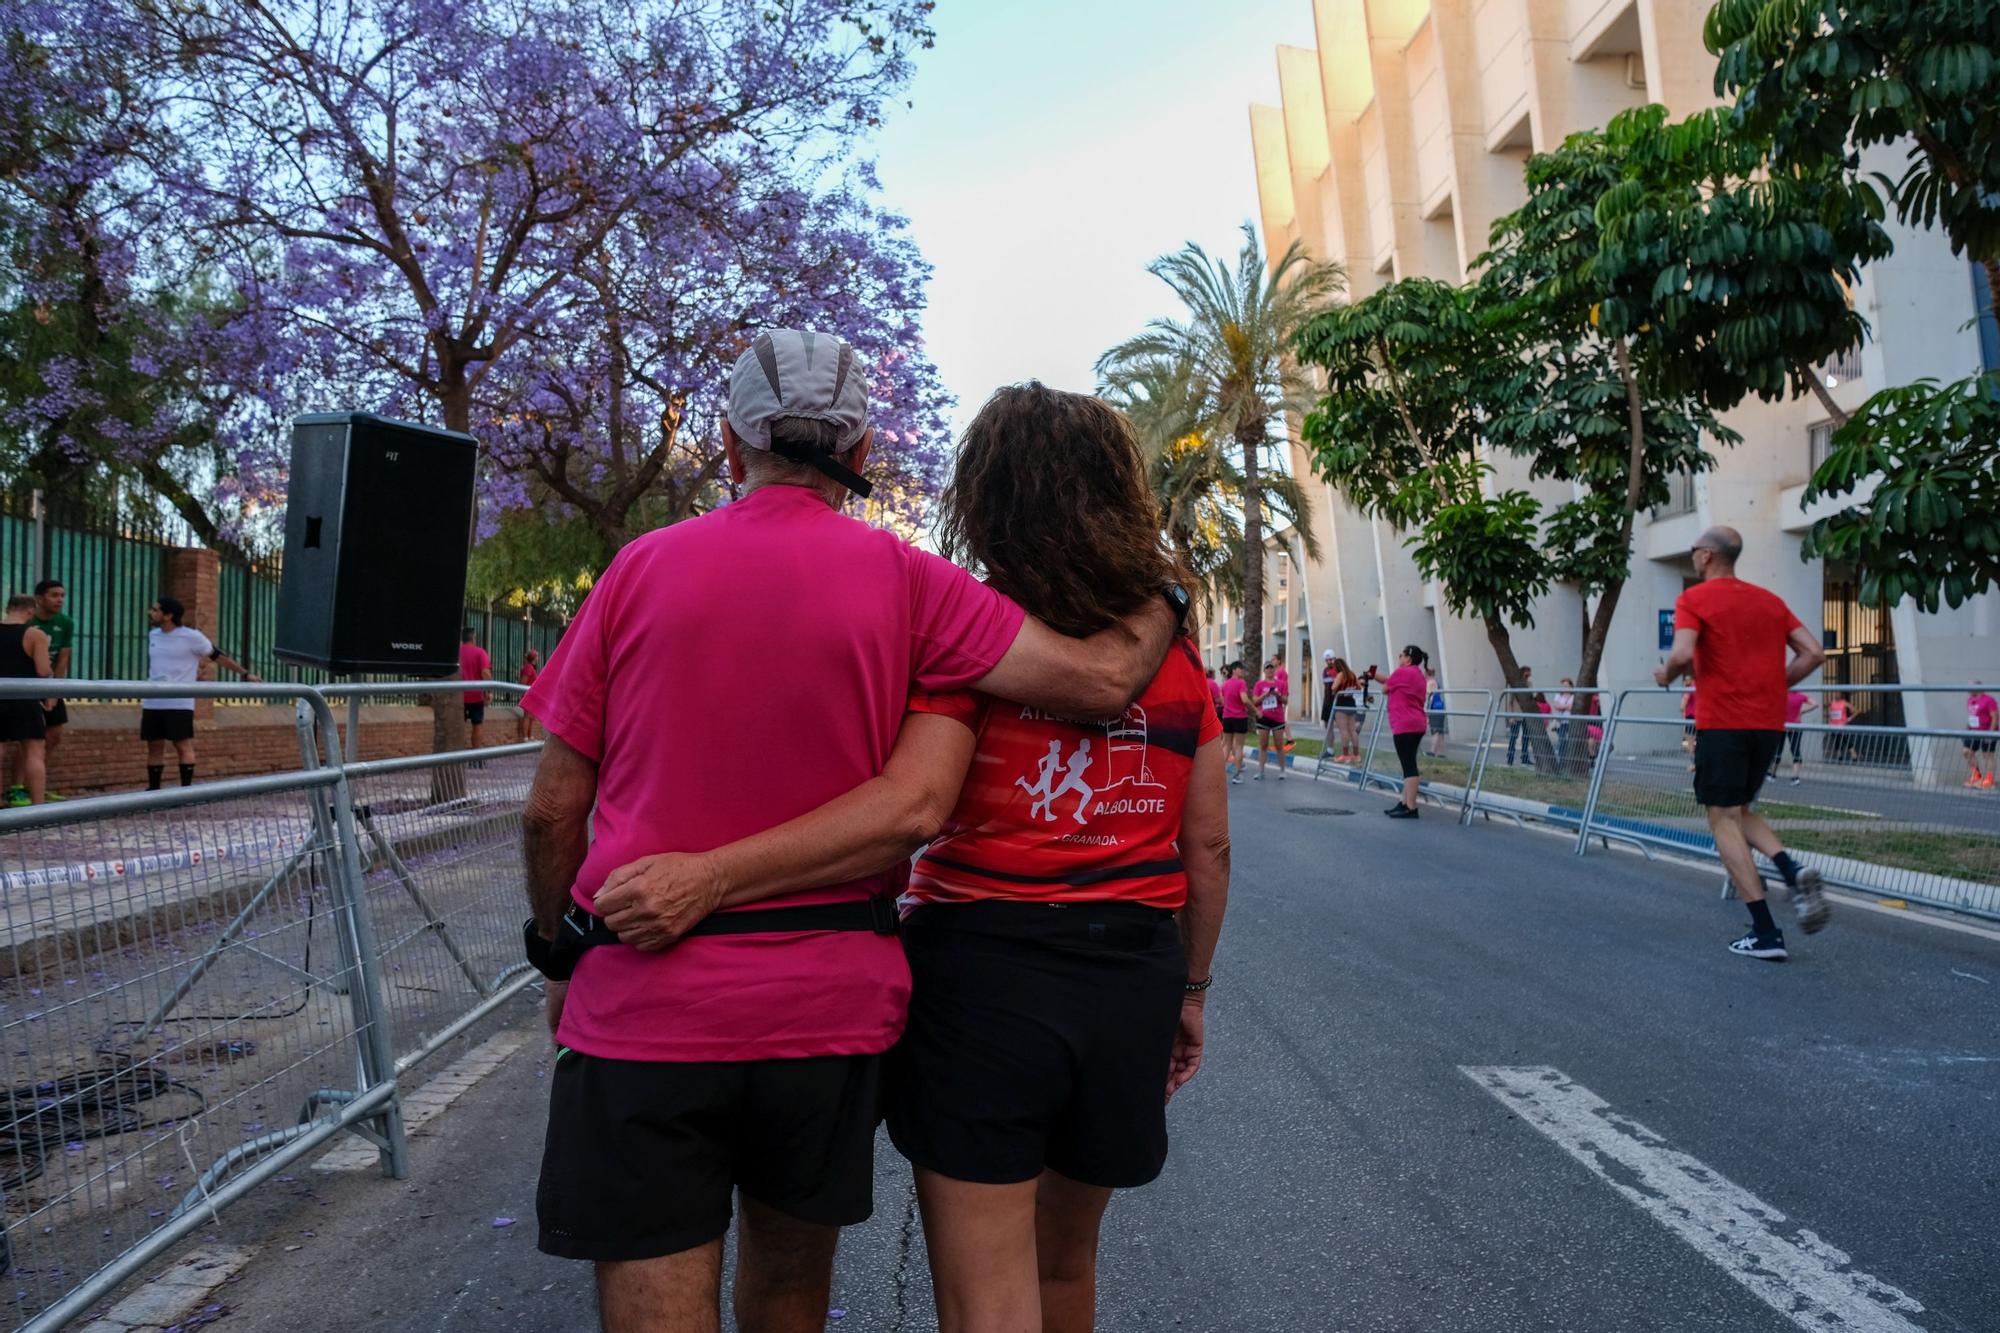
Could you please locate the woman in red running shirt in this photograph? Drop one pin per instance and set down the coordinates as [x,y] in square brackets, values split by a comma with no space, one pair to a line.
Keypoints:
[1061,923]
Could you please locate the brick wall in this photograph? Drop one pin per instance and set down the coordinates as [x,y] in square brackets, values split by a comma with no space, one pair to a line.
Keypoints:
[194,576]
[101,750]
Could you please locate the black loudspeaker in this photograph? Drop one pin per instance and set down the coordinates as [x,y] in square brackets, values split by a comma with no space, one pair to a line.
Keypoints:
[378,523]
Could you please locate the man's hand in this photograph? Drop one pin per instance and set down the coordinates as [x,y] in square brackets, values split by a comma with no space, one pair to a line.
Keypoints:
[651,902]
[1186,1061]
[253,678]
[1660,676]
[558,994]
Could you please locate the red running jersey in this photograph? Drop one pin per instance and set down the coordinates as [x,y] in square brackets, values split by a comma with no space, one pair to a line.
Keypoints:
[1061,811]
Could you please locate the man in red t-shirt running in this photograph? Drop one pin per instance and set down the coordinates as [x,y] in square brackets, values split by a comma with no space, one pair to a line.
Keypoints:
[1734,634]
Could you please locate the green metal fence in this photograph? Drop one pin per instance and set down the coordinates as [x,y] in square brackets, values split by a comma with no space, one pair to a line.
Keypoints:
[112,561]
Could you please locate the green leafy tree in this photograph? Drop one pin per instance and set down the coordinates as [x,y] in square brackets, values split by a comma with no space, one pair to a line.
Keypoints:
[1930,529]
[1577,405]
[1726,270]
[1820,78]
[1235,343]
[1412,373]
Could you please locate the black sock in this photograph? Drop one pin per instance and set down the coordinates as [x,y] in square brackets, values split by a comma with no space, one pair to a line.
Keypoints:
[187,775]
[1760,919]
[153,772]
[1787,867]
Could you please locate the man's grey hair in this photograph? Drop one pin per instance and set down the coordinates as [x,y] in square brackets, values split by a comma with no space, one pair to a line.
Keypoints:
[763,467]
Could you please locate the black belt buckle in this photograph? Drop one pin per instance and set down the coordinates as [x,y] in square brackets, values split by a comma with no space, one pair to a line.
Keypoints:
[883,918]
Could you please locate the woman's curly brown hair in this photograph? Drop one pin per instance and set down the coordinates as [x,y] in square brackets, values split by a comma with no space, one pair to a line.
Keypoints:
[1050,499]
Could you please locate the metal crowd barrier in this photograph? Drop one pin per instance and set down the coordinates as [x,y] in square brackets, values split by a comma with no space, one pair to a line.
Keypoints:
[1878,808]
[1547,759]
[1454,737]
[1350,730]
[205,984]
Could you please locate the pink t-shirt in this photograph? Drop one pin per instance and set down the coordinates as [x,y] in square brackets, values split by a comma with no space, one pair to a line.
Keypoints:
[1405,690]
[1284,679]
[474,664]
[640,683]
[1269,695]
[1795,706]
[1982,713]
[1235,698]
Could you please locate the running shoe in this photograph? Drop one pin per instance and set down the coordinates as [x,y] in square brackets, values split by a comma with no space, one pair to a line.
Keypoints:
[1808,903]
[18,796]
[1770,948]
[1988,784]
[1974,781]
[1260,775]
[1236,781]
[1797,781]
[1403,812]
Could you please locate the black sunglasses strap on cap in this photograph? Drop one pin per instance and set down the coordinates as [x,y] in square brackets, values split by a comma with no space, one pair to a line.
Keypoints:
[813,458]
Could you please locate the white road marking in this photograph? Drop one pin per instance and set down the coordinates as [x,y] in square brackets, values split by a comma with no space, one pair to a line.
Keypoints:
[1783,1264]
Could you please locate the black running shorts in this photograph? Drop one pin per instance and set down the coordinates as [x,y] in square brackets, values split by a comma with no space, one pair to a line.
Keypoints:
[475,713]
[1236,726]
[1406,750]
[1986,746]
[166,724]
[57,716]
[642,1157]
[1729,765]
[1270,724]
[22,720]
[1039,1036]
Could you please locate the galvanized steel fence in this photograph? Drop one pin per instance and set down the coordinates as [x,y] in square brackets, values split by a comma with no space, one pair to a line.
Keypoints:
[1887,810]
[203,985]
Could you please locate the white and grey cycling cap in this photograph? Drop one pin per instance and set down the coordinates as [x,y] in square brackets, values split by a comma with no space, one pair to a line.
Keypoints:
[799,373]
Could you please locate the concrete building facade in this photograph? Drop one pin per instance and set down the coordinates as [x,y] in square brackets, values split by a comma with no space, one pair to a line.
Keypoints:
[1393,147]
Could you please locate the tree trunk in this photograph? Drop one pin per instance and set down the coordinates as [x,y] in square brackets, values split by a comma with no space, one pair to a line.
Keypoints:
[1252,441]
[1597,634]
[1818,387]
[448,730]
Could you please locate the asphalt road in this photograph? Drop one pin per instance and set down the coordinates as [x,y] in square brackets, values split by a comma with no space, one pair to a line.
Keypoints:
[1333,1166]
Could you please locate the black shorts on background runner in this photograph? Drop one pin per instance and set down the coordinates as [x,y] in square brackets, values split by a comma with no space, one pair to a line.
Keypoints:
[1039,1036]
[57,716]
[166,724]
[1730,765]
[1236,726]
[643,1156]
[475,714]
[22,720]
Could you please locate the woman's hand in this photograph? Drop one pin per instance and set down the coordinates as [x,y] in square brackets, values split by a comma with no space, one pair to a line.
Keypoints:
[653,901]
[1186,1061]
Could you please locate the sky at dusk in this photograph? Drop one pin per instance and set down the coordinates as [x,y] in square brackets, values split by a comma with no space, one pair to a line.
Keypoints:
[1053,149]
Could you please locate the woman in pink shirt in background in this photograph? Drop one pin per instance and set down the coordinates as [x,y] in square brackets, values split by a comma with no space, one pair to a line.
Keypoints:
[1982,723]
[1404,693]
[1797,704]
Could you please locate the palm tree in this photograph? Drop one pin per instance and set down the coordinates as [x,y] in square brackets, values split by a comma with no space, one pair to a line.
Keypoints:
[1194,476]
[1232,352]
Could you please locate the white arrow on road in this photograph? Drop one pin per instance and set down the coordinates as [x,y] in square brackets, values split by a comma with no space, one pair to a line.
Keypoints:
[1785,1265]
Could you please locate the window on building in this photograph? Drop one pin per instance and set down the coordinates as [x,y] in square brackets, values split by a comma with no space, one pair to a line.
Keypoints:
[1819,444]
[1680,496]
[1836,370]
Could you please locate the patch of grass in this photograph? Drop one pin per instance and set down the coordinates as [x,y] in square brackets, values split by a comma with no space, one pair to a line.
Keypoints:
[1972,856]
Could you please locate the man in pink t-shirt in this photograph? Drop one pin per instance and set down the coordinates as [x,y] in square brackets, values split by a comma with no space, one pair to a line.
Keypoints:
[706,1052]
[1982,726]
[473,664]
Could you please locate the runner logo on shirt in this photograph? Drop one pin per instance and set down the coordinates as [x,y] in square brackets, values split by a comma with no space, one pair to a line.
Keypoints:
[1124,764]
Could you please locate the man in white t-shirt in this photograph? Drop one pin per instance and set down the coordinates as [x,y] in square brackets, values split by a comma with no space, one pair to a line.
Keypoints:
[174,654]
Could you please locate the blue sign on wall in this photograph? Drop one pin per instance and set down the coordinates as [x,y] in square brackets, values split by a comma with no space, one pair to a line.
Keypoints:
[1666,629]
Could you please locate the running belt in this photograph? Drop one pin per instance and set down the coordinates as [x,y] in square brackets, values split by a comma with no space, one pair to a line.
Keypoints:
[877,912]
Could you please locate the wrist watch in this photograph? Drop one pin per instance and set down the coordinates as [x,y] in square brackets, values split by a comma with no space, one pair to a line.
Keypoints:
[1177,598]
